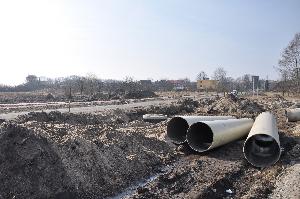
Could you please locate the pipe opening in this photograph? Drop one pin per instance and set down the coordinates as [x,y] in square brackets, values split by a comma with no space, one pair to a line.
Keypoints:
[176,130]
[199,136]
[262,150]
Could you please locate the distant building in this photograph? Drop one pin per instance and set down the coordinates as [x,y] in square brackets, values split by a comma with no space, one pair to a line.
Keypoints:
[207,84]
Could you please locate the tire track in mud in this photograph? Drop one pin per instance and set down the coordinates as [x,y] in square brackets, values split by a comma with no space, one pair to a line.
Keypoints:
[92,109]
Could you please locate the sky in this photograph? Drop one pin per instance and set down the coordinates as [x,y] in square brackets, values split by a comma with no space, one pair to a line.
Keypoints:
[143,39]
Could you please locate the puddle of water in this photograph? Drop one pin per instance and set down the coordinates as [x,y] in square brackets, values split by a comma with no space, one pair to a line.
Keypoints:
[130,190]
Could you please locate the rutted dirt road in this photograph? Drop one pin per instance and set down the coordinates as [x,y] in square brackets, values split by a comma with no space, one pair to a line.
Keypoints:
[93,109]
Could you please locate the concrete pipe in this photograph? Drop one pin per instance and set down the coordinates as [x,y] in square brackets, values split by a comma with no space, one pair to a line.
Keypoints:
[177,127]
[203,136]
[154,117]
[262,146]
[292,115]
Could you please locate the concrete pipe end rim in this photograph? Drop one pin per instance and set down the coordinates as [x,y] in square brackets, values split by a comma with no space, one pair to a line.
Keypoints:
[176,130]
[262,150]
[200,137]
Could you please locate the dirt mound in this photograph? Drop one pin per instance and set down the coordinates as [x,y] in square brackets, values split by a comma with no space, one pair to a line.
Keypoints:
[71,118]
[180,107]
[39,160]
[30,167]
[274,102]
[285,186]
[139,94]
[226,105]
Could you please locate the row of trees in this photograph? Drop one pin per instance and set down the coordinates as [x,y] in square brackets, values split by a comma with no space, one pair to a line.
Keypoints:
[91,85]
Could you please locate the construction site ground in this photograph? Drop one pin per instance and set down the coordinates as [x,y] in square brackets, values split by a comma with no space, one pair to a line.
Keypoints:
[95,152]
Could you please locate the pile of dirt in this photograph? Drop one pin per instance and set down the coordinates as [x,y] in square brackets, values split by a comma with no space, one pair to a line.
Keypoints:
[115,116]
[29,165]
[179,107]
[44,156]
[182,106]
[42,97]
[239,107]
[11,98]
[285,186]
[62,117]
[226,105]
[274,102]
[139,94]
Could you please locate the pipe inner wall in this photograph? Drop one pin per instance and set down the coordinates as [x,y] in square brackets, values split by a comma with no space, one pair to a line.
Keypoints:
[262,146]
[176,130]
[262,150]
[200,141]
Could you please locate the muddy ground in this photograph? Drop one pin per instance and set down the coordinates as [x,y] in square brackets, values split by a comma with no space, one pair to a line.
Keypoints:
[115,154]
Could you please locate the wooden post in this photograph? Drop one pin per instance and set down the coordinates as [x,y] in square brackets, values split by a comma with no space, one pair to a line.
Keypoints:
[70,96]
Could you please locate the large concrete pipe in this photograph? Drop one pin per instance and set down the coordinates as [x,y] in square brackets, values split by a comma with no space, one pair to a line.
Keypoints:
[177,127]
[293,115]
[262,146]
[203,136]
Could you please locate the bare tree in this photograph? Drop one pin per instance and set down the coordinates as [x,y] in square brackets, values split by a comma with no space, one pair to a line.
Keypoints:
[130,85]
[229,84]
[32,82]
[31,79]
[284,83]
[91,84]
[247,85]
[80,83]
[288,64]
[201,76]
[220,75]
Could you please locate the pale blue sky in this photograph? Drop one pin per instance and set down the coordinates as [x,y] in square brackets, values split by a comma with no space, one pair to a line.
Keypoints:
[143,39]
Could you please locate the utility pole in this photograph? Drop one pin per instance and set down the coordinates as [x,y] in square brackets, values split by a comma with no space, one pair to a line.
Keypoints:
[297,72]
[253,87]
[255,80]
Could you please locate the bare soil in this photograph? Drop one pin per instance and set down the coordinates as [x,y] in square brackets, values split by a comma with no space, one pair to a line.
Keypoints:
[115,154]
